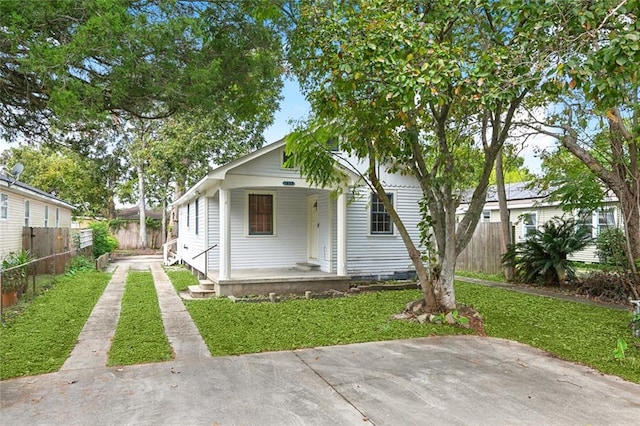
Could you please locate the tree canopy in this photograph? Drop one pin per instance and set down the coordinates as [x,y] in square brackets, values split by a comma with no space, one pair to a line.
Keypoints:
[68,62]
[429,89]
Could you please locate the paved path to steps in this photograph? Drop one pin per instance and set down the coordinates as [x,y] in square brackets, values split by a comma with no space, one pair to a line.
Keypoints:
[94,341]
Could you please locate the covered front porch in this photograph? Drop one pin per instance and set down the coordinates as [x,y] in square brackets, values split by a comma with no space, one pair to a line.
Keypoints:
[294,280]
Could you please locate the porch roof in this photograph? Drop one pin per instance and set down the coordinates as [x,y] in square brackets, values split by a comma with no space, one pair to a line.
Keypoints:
[215,177]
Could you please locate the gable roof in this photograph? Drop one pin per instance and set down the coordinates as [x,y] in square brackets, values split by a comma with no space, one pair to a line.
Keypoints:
[517,191]
[219,173]
[18,186]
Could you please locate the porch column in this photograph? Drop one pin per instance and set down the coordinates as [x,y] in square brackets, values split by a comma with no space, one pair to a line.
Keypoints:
[342,233]
[224,272]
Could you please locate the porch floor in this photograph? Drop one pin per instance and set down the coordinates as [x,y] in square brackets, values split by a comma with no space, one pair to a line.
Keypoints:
[244,282]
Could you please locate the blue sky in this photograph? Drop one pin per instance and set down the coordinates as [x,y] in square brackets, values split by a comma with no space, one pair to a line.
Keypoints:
[292,107]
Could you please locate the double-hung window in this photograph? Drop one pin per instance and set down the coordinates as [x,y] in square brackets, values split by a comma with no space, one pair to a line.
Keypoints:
[529,224]
[261,210]
[4,206]
[597,221]
[46,216]
[27,213]
[380,220]
[606,219]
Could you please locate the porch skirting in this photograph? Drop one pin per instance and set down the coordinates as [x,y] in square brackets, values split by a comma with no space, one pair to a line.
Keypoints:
[245,282]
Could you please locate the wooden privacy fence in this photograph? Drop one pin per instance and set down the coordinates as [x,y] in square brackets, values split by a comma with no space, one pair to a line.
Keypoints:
[55,245]
[483,253]
[128,236]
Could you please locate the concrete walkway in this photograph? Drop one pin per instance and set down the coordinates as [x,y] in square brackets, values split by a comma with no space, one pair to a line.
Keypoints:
[457,380]
[94,341]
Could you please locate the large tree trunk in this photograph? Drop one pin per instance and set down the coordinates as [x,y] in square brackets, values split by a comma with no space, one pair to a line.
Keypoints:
[622,179]
[505,221]
[142,208]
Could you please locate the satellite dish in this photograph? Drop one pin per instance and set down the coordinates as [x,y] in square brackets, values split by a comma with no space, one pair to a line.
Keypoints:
[16,171]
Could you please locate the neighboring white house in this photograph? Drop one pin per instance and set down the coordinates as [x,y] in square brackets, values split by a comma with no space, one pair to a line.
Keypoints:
[528,210]
[261,214]
[23,205]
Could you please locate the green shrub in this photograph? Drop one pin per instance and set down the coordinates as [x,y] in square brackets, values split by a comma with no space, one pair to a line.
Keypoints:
[612,248]
[542,257]
[79,264]
[103,241]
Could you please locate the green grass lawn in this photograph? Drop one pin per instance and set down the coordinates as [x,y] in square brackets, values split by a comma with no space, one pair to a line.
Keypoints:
[41,337]
[140,333]
[573,331]
[181,280]
[235,328]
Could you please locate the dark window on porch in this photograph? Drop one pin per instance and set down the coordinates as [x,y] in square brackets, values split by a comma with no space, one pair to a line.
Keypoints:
[260,214]
[188,213]
[381,223]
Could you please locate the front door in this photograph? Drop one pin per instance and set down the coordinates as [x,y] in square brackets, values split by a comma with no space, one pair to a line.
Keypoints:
[312,227]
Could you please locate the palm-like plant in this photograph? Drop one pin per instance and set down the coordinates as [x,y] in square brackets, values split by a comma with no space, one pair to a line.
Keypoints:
[543,255]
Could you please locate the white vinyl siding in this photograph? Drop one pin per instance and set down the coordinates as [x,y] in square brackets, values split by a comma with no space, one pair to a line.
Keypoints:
[286,247]
[11,227]
[190,244]
[372,256]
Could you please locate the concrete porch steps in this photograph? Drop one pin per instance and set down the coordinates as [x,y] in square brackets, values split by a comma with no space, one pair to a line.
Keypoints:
[306,266]
[202,290]
[171,260]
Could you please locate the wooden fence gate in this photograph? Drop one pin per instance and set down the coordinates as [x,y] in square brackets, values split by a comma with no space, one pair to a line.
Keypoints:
[483,253]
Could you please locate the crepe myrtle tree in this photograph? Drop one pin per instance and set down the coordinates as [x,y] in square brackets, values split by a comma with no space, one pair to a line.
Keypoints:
[423,88]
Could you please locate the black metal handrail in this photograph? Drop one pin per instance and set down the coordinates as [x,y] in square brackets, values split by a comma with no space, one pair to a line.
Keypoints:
[205,258]
[204,251]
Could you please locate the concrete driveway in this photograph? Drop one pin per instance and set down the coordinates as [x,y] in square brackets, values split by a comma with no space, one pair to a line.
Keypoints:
[457,380]
[454,380]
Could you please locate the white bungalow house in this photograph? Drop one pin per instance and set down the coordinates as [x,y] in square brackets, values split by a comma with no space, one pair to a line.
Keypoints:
[254,226]
[23,205]
[528,210]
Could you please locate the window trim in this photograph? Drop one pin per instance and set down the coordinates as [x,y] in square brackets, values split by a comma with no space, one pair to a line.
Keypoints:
[188,213]
[524,224]
[394,202]
[4,206]
[283,158]
[196,216]
[46,216]
[27,213]
[482,218]
[596,218]
[274,213]
[57,217]
[593,218]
